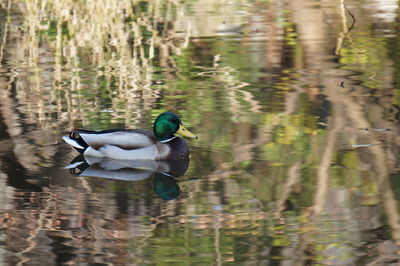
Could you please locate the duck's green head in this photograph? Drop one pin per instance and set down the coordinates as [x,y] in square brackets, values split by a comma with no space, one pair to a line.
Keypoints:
[167,124]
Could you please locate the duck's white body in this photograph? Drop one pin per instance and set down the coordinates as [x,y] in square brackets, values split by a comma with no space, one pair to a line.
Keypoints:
[126,145]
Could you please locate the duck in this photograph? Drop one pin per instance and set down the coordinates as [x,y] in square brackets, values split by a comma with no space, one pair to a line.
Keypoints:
[135,144]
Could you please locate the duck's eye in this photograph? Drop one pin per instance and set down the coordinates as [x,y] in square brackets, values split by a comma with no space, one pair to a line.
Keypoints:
[173,120]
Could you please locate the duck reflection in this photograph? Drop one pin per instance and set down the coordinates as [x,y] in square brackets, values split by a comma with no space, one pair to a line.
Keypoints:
[164,173]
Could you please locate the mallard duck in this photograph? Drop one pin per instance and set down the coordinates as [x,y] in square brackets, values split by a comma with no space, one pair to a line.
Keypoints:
[135,144]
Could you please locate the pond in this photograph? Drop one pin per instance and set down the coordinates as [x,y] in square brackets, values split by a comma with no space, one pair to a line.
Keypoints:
[296,105]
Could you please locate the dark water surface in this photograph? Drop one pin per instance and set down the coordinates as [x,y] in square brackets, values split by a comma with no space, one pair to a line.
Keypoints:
[295,103]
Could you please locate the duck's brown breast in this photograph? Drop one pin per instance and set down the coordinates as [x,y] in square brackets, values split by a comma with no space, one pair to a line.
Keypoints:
[178,149]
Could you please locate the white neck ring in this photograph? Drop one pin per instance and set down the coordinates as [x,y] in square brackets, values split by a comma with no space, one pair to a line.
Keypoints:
[167,140]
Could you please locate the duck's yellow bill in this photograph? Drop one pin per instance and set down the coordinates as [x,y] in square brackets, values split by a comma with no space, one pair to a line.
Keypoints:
[186,133]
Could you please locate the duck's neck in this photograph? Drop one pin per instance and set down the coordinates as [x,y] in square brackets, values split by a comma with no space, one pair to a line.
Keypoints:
[167,140]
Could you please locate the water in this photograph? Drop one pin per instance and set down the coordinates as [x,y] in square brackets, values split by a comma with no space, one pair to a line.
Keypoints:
[295,103]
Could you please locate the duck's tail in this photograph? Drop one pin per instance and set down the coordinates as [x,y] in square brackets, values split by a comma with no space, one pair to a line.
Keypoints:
[76,141]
